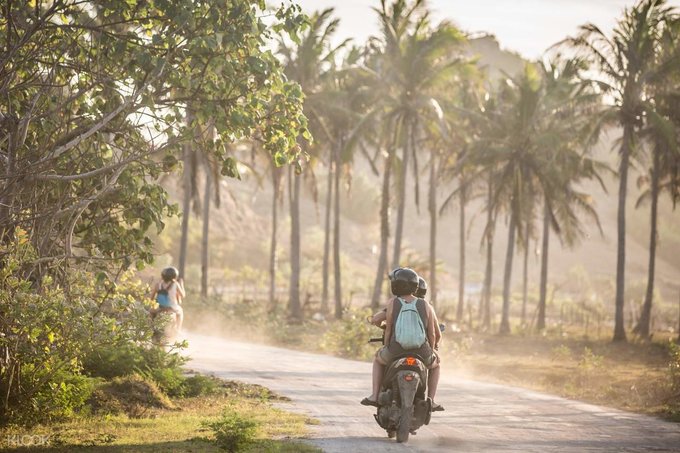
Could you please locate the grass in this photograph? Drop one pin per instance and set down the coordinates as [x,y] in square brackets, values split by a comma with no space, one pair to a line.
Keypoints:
[631,376]
[182,429]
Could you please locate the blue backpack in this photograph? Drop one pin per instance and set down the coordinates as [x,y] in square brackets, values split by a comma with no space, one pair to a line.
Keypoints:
[162,296]
[409,330]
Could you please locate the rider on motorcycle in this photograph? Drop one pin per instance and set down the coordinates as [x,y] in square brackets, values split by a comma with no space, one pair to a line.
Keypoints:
[404,283]
[169,293]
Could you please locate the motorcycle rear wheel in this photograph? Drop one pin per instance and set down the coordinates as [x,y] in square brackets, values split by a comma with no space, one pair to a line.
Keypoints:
[404,424]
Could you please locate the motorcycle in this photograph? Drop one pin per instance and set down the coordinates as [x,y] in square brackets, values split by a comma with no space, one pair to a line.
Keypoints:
[403,404]
[165,326]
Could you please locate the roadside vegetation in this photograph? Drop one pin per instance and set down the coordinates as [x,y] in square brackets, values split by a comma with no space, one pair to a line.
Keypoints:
[132,414]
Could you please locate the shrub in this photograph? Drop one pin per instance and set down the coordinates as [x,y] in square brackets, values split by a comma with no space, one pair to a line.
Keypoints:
[169,379]
[47,328]
[561,353]
[233,432]
[63,395]
[589,364]
[349,336]
[200,385]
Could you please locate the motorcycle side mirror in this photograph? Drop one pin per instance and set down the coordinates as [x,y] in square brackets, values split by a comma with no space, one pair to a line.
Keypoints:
[442,327]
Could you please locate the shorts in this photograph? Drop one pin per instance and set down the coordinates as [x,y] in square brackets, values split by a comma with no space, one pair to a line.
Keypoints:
[431,359]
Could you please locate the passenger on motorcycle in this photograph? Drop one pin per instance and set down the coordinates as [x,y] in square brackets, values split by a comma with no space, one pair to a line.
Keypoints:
[169,294]
[404,283]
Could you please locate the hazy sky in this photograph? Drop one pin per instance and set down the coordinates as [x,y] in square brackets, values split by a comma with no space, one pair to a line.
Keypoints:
[525,26]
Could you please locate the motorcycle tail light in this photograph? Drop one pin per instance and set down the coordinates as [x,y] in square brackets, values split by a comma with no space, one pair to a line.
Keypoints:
[410,361]
[408,377]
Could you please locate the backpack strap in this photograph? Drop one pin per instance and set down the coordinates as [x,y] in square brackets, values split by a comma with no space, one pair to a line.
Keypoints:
[422,311]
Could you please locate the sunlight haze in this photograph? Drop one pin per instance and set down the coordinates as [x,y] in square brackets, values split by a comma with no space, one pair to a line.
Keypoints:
[527,27]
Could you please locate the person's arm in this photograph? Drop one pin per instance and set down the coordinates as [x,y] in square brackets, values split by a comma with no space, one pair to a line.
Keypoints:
[434,335]
[180,289]
[388,321]
[378,318]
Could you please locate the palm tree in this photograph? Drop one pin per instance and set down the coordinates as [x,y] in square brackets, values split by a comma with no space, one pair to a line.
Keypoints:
[305,63]
[514,150]
[516,163]
[572,102]
[663,135]
[627,61]
[413,61]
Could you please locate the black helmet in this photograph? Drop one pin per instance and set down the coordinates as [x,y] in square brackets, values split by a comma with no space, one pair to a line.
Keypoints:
[169,273]
[404,282]
[393,273]
[422,288]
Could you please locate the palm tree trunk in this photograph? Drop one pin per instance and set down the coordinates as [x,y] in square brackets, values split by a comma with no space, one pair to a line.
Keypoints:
[205,240]
[488,272]
[186,202]
[619,326]
[525,277]
[461,262]
[384,231]
[507,277]
[294,291]
[540,323]
[327,242]
[432,206]
[336,238]
[401,209]
[643,325]
[276,178]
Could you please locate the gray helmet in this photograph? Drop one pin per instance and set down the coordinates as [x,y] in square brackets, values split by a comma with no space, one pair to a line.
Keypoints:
[169,273]
[404,282]
[422,288]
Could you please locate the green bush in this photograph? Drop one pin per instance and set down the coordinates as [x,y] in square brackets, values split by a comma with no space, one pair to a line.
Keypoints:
[63,395]
[233,432]
[50,329]
[170,380]
[349,337]
[200,385]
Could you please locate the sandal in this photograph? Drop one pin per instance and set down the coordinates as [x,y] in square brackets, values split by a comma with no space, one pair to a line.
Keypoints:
[369,402]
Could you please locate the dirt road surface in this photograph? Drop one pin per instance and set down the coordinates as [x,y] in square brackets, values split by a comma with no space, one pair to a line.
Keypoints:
[479,417]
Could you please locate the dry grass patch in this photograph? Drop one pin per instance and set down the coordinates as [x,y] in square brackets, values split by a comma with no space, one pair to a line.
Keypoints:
[632,376]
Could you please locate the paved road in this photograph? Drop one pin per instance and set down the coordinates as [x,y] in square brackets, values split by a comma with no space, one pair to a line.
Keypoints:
[479,417]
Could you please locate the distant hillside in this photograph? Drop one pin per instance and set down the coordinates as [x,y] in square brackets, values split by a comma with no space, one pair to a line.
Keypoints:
[493,59]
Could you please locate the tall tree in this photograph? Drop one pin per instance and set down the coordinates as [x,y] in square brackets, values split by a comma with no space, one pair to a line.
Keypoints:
[305,62]
[414,59]
[276,178]
[573,104]
[628,62]
[99,92]
[662,133]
